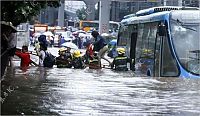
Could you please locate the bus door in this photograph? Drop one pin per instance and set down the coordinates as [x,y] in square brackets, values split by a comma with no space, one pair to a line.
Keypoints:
[160,36]
[165,63]
[133,46]
[157,56]
[145,47]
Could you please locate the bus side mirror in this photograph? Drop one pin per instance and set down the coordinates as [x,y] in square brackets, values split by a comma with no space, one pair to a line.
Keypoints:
[161,30]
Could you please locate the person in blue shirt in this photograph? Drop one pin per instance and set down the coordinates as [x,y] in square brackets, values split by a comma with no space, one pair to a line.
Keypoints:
[100,46]
[112,49]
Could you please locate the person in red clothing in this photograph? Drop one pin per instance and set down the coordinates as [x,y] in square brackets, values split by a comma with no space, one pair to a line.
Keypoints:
[89,54]
[25,57]
[89,50]
[91,57]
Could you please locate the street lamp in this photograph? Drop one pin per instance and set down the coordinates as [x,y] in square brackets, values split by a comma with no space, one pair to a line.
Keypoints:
[179,2]
[164,2]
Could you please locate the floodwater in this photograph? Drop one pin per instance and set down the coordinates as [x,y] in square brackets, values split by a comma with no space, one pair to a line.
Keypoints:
[62,91]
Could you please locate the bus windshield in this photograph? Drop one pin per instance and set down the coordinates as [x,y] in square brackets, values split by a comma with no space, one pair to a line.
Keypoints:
[186,40]
[90,24]
[94,25]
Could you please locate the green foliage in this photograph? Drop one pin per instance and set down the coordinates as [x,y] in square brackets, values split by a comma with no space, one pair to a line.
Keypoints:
[22,11]
[81,14]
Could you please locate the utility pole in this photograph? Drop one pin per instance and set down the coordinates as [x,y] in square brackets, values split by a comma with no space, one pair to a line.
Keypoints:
[104,16]
[61,13]
[40,19]
[199,4]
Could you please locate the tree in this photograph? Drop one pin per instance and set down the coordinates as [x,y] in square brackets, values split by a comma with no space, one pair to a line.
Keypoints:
[22,11]
[81,14]
[17,12]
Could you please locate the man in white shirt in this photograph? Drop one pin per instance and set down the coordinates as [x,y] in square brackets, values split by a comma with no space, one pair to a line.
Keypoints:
[41,54]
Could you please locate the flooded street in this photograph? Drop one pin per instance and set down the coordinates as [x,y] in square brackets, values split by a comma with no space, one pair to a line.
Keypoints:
[145,38]
[62,91]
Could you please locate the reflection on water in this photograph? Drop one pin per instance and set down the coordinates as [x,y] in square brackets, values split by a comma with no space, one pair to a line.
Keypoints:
[97,92]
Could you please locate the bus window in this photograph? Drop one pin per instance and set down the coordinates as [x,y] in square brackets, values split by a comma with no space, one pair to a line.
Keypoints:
[114,26]
[88,25]
[152,37]
[77,25]
[123,36]
[139,40]
[146,40]
[94,25]
[168,65]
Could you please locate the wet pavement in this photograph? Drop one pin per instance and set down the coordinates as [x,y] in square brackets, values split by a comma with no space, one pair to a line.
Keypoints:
[62,91]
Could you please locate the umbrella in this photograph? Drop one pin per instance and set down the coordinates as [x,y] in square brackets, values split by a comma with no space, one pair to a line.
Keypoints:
[81,31]
[48,33]
[36,34]
[82,35]
[105,34]
[31,29]
[70,45]
[113,42]
[68,39]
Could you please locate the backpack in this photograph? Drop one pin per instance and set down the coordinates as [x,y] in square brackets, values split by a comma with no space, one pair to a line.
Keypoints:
[49,60]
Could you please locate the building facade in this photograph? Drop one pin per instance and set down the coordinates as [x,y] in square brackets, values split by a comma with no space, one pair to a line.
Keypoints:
[119,9]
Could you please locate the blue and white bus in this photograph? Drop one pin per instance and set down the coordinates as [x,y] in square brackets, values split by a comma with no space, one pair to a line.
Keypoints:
[163,41]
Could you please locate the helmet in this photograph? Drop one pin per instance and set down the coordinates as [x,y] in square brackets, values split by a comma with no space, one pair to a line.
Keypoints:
[77,53]
[62,49]
[120,50]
